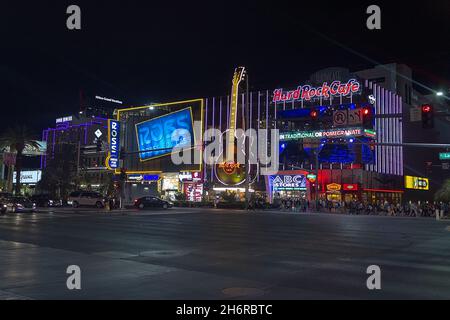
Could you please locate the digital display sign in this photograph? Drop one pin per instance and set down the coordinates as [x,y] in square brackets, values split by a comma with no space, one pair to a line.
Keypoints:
[158,136]
[28,177]
[320,134]
[417,183]
[287,182]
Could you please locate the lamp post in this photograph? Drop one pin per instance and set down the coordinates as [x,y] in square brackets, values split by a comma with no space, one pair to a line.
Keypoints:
[316,170]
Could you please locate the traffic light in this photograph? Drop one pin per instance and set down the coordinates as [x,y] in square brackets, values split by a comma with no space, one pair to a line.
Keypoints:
[427,116]
[314,116]
[367,117]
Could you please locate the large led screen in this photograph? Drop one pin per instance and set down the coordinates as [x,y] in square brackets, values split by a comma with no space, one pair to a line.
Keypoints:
[158,136]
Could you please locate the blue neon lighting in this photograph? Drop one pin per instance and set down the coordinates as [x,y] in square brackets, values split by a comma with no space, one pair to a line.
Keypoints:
[168,131]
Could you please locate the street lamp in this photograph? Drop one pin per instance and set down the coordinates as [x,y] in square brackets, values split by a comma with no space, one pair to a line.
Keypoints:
[439,93]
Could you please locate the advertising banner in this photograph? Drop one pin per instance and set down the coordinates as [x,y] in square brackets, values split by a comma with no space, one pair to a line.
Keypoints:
[417,183]
[112,160]
[287,182]
[164,133]
[28,177]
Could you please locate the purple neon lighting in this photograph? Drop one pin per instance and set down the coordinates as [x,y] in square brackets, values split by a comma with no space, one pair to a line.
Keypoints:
[206,127]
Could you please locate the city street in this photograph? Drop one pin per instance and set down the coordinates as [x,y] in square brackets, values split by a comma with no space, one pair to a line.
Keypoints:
[221,254]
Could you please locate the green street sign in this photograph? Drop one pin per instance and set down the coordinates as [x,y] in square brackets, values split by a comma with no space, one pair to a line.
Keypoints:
[444,156]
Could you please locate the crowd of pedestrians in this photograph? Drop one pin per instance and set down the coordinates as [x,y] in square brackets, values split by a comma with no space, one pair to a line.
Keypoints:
[410,209]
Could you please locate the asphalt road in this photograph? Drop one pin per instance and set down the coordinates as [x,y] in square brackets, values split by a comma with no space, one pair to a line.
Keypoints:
[221,254]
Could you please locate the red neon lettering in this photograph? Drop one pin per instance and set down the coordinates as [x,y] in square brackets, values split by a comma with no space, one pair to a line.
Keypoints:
[334,86]
[277,95]
[307,92]
[297,93]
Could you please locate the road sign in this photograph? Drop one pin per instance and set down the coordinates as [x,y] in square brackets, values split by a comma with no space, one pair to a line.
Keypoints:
[354,116]
[340,118]
[415,114]
[444,156]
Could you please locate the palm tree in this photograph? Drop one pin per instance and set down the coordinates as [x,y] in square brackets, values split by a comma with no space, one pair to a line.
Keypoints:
[17,138]
[443,194]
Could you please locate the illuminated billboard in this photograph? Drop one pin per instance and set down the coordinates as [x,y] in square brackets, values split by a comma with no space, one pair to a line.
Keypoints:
[28,177]
[417,183]
[112,161]
[149,134]
[287,182]
[162,134]
[332,133]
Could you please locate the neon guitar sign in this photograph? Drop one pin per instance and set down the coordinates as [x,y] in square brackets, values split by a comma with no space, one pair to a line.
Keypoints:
[231,172]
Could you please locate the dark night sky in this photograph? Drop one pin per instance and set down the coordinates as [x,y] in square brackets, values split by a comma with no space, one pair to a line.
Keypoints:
[141,51]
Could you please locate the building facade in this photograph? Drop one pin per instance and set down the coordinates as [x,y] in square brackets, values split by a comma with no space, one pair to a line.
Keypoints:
[76,152]
[350,164]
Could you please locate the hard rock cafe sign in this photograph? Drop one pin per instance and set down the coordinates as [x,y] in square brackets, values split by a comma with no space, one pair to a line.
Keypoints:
[309,93]
[229,167]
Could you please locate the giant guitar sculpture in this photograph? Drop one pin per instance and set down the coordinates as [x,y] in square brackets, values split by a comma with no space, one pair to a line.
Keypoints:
[230,172]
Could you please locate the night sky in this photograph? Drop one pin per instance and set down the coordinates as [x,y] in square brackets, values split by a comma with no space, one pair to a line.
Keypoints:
[143,51]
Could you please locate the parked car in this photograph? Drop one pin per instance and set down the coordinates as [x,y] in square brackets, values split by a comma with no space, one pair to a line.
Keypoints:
[3,207]
[44,200]
[4,196]
[152,202]
[20,204]
[86,198]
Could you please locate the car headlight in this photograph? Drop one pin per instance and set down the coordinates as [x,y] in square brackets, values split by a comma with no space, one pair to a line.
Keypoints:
[70,202]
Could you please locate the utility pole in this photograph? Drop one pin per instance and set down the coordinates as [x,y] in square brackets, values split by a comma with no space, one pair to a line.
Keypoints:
[78,158]
[316,189]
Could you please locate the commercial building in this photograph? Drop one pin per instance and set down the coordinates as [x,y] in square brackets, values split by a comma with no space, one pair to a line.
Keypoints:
[76,152]
[350,166]
[419,162]
[147,137]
